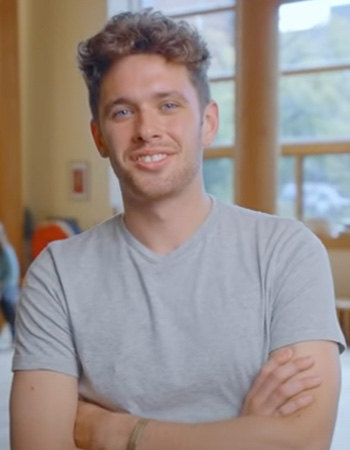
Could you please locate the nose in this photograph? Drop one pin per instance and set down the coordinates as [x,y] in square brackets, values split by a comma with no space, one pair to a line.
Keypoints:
[147,127]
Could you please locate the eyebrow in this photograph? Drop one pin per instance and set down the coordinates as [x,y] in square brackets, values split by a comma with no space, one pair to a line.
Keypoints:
[158,96]
[173,94]
[118,101]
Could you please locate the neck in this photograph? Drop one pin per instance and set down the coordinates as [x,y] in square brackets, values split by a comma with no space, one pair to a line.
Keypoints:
[164,225]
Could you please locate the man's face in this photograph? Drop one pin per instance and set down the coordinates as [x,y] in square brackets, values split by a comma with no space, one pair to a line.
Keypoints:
[151,127]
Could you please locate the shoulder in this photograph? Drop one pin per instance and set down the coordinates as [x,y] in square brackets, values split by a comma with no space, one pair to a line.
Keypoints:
[95,237]
[250,218]
[264,230]
[79,250]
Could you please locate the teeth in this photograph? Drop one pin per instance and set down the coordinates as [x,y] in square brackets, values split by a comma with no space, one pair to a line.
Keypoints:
[152,158]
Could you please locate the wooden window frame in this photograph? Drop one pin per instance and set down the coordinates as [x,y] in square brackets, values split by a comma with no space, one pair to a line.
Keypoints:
[297,149]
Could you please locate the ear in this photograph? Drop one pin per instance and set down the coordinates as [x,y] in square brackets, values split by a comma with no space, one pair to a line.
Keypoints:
[210,123]
[98,138]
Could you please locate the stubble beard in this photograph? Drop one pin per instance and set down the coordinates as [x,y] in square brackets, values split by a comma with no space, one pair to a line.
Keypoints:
[154,187]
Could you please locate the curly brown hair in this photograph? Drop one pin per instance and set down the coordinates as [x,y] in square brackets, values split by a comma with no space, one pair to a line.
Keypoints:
[150,32]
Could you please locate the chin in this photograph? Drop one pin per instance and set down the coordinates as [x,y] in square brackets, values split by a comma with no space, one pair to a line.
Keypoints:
[154,193]
[153,196]
[151,189]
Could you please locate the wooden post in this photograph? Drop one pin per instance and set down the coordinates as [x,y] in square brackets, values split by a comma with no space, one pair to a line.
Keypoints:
[11,209]
[257,104]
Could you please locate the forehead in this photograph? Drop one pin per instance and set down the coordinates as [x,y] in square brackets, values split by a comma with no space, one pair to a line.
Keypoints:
[142,76]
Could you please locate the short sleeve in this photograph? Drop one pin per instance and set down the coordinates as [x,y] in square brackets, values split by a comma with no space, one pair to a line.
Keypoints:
[302,292]
[44,338]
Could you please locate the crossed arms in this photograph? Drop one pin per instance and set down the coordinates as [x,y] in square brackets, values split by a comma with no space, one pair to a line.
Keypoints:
[291,406]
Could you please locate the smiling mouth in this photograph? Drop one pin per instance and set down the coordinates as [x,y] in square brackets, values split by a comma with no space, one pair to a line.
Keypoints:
[151,158]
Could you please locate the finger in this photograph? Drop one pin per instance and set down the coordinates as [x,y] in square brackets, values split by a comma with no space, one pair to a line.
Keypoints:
[279,358]
[295,405]
[283,355]
[288,391]
[280,375]
[295,387]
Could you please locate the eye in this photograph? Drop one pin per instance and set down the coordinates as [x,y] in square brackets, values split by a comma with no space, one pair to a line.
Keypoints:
[169,106]
[122,113]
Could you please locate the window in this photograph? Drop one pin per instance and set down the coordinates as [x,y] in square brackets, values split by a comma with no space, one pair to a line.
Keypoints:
[315,112]
[218,177]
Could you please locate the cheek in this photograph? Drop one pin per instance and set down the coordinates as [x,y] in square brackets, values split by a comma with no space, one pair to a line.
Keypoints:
[186,129]
[118,140]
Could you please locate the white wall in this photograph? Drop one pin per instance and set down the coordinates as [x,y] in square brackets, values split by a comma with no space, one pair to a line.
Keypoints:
[36,104]
[55,113]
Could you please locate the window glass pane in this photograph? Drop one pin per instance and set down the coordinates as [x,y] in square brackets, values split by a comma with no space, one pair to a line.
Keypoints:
[326,189]
[286,192]
[115,195]
[223,93]
[218,31]
[218,178]
[184,6]
[117,6]
[315,105]
[314,32]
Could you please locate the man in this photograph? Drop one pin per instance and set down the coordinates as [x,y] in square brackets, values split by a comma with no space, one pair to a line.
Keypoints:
[9,280]
[195,315]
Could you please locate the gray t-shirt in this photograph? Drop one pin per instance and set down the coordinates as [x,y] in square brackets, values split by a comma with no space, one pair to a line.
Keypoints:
[179,336]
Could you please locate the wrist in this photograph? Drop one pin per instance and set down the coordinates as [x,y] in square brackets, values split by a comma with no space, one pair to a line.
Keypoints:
[112,431]
[137,433]
[120,428]
[130,424]
[97,428]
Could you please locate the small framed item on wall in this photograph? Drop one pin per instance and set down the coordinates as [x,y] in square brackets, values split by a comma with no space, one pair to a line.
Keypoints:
[79,180]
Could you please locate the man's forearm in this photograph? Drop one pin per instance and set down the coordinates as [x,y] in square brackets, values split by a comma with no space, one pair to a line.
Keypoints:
[275,415]
[243,433]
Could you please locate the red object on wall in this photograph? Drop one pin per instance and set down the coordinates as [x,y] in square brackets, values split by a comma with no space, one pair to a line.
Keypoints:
[78,181]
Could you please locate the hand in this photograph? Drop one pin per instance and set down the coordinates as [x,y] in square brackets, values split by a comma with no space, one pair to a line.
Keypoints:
[97,428]
[277,391]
